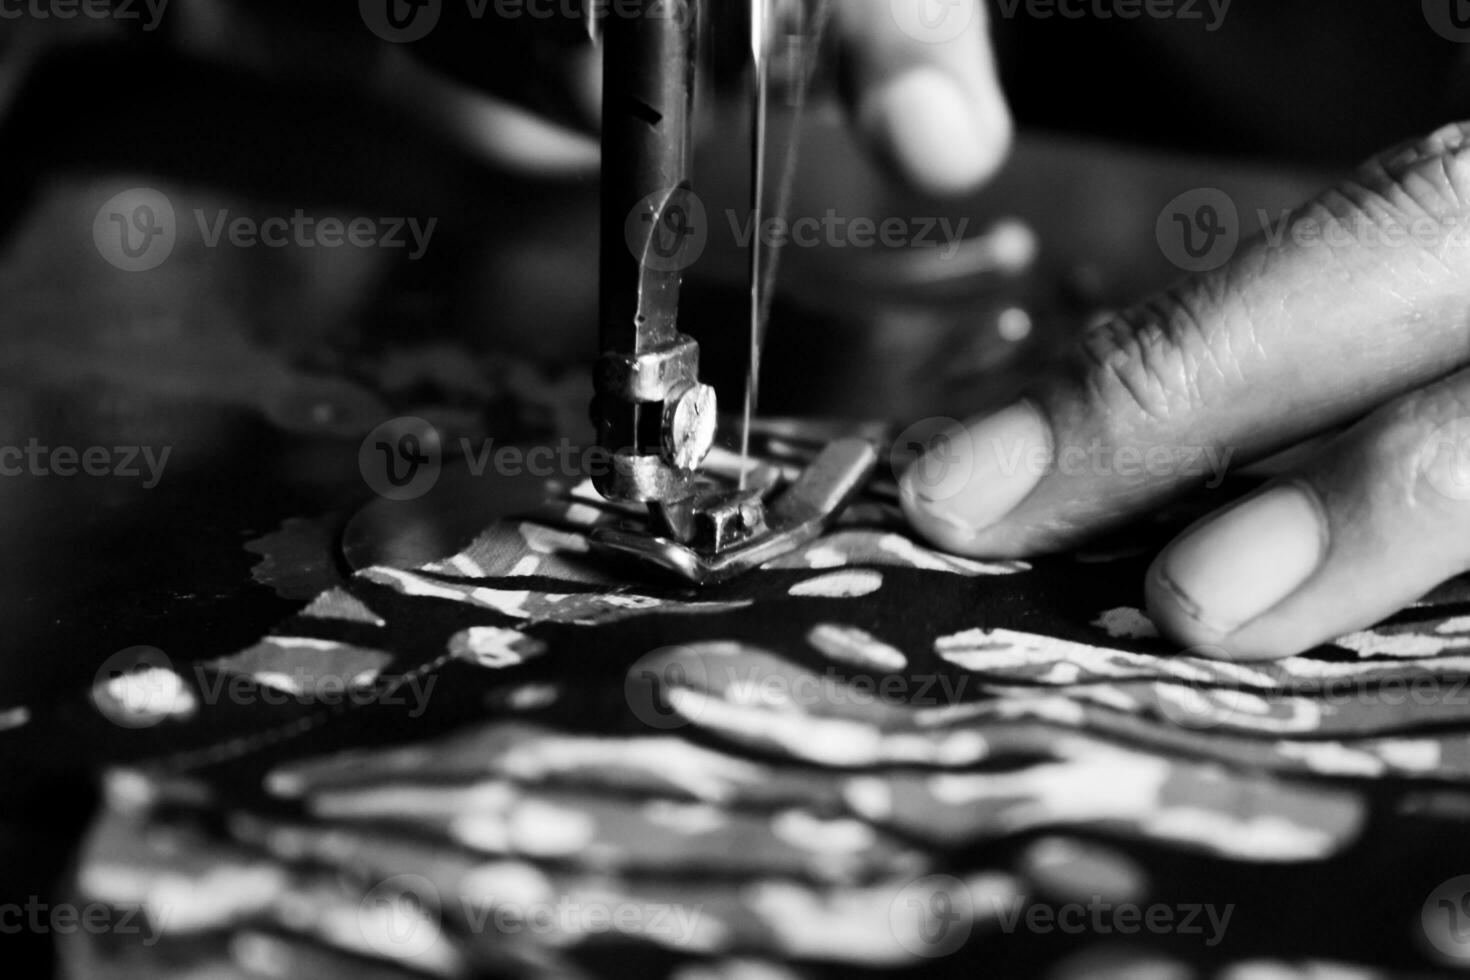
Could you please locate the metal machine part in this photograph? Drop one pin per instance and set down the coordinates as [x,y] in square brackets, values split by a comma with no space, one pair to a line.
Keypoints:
[655,420]
[653,417]
[742,532]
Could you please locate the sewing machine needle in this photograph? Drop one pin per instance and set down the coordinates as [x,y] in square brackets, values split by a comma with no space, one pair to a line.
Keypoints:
[760,25]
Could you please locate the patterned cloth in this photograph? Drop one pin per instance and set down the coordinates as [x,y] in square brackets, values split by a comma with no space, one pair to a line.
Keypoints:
[533,759]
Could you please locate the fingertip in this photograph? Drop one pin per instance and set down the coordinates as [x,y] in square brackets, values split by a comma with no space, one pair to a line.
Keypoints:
[961,492]
[1180,621]
[1176,616]
[932,523]
[944,137]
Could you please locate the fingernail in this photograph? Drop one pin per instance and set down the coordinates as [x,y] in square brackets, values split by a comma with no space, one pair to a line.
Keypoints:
[978,475]
[1246,561]
[936,132]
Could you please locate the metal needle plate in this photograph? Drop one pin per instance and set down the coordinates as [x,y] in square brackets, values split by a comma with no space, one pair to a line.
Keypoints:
[798,517]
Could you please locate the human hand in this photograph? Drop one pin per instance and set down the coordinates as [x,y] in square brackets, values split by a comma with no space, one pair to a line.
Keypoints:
[918,76]
[1358,315]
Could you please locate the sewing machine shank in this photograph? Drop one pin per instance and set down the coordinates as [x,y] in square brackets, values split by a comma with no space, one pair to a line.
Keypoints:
[655,419]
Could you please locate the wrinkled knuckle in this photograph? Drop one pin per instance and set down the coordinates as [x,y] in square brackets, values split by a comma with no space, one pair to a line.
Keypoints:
[1430,176]
[1147,366]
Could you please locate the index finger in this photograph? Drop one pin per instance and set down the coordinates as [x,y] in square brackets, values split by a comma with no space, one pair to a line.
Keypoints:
[1362,296]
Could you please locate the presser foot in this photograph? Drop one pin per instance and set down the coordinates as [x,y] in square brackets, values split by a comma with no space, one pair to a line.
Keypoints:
[732,531]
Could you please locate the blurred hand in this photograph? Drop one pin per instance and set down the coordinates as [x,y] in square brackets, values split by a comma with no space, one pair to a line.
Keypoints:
[1356,315]
[924,89]
[918,76]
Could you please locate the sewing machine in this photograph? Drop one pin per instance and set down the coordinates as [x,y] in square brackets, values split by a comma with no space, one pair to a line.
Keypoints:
[656,421]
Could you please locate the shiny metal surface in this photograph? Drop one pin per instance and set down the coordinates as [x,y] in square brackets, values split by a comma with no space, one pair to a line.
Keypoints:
[797,517]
